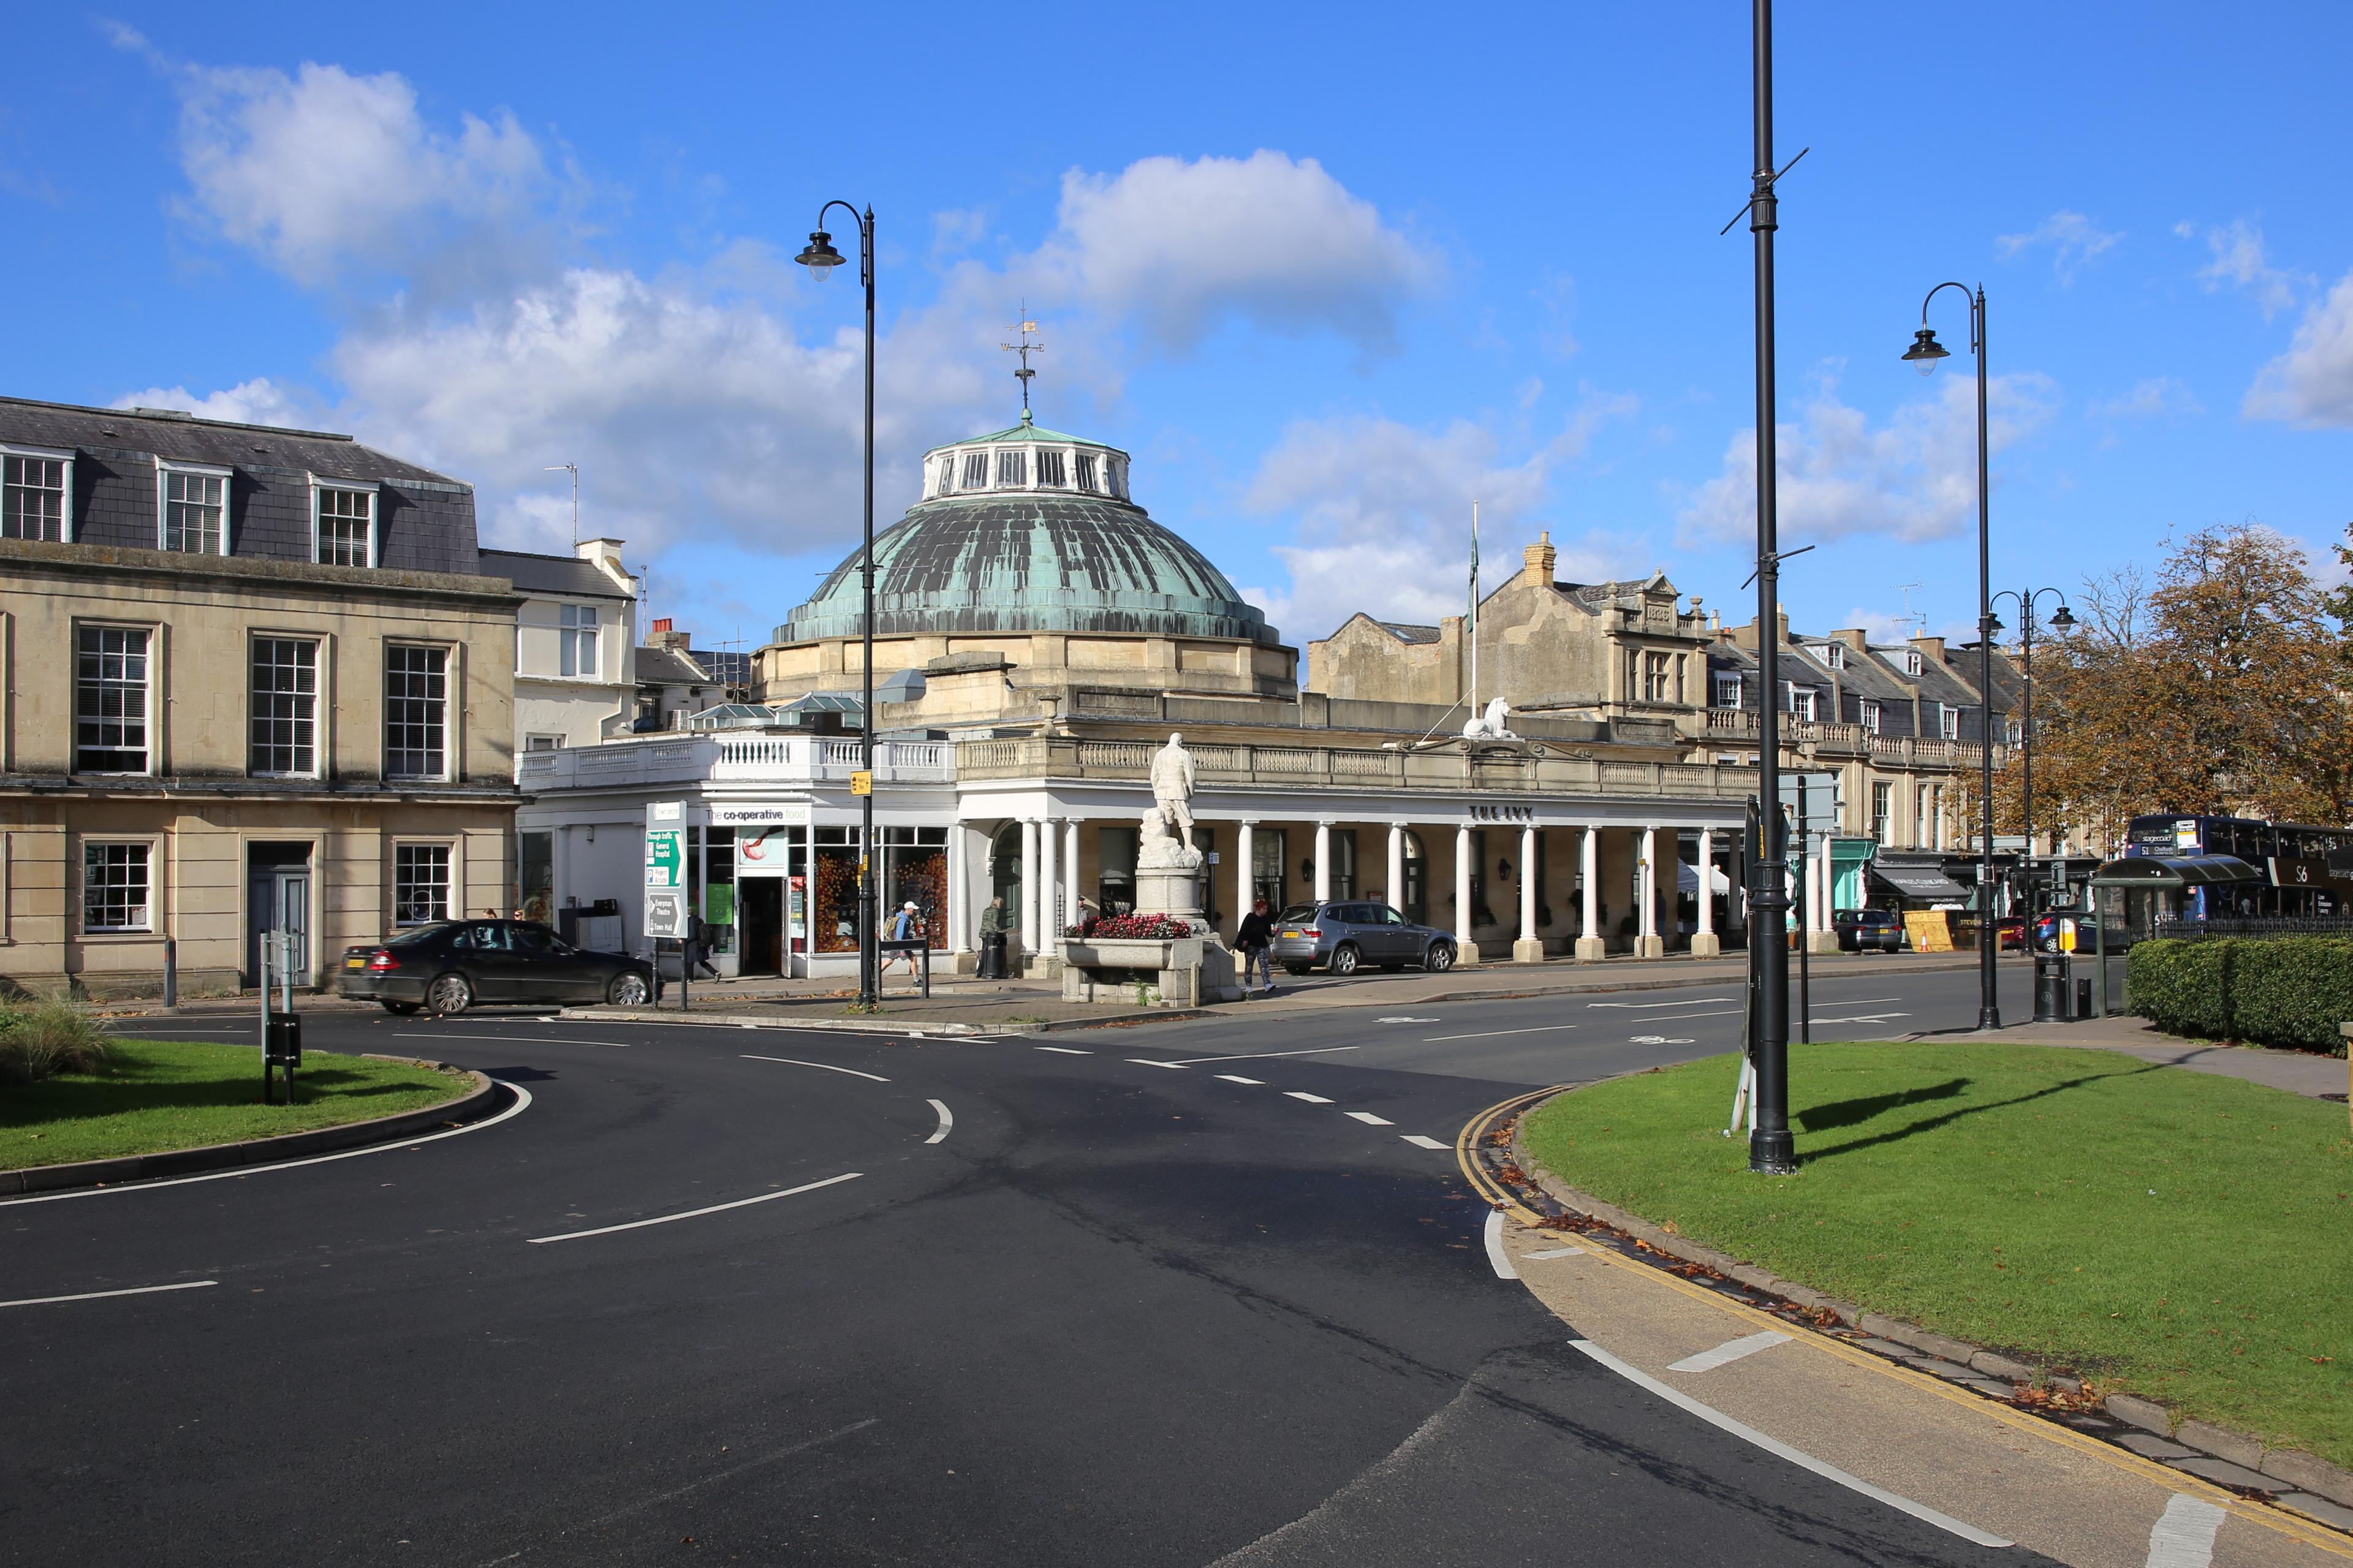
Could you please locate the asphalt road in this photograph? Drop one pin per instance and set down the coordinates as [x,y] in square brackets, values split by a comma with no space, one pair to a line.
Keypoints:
[1102,1310]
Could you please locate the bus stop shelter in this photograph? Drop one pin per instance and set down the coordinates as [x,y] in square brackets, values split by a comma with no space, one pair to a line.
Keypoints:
[2130,896]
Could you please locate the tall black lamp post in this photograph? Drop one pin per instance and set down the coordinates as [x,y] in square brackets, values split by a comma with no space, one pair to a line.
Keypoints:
[821,258]
[1925,352]
[2062,621]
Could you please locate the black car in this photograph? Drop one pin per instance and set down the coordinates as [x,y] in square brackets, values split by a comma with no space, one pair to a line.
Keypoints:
[1869,931]
[450,966]
[1345,935]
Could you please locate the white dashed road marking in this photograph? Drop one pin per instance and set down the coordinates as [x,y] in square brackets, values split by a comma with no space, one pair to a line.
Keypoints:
[697,1213]
[1554,1252]
[1309,1098]
[828,1067]
[1645,1007]
[101,1295]
[2183,1536]
[1236,1078]
[1404,1020]
[947,1122]
[1729,1351]
[1420,1142]
[1066,1050]
[1495,1256]
[1148,1062]
[1256,1057]
[1490,1033]
[1369,1120]
[1803,1460]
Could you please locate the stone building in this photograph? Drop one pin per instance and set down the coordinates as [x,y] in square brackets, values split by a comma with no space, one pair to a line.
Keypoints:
[1038,636]
[254,680]
[575,644]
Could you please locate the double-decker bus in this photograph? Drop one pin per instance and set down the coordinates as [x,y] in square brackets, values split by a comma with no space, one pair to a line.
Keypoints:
[2287,863]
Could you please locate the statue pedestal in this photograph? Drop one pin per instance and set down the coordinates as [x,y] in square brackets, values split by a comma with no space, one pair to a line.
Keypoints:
[1172,890]
[1143,972]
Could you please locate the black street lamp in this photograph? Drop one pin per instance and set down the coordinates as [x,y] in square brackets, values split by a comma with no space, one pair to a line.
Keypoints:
[1925,352]
[820,258]
[2064,621]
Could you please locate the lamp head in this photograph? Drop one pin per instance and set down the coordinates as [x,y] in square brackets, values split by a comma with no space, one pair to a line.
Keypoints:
[1926,351]
[1994,623]
[2064,621]
[820,256]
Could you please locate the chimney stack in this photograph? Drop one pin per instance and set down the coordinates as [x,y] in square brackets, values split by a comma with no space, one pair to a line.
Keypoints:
[1540,558]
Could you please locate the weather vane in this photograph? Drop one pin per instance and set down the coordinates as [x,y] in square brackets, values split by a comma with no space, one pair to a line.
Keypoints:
[1025,348]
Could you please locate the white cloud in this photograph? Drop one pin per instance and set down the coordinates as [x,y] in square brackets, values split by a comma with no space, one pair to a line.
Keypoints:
[1914,478]
[1183,246]
[326,172]
[257,402]
[2239,260]
[1381,514]
[2159,396]
[2312,384]
[2074,239]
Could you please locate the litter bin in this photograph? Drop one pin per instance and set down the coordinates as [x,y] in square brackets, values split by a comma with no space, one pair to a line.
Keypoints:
[992,955]
[2051,988]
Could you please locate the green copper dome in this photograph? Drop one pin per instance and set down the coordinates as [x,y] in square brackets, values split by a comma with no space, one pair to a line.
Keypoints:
[1028,529]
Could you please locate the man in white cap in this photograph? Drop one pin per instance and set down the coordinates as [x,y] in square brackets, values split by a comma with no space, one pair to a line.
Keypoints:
[907,925]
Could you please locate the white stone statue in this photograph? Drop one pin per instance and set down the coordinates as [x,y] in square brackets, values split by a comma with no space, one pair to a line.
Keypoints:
[1491,725]
[1167,827]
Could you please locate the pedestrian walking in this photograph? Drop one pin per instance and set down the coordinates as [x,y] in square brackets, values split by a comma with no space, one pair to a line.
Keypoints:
[907,925]
[994,921]
[1254,937]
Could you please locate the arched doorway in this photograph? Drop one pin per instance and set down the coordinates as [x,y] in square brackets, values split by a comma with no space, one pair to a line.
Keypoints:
[1005,868]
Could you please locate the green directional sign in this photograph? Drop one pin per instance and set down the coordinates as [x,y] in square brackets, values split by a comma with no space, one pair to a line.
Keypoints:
[665,857]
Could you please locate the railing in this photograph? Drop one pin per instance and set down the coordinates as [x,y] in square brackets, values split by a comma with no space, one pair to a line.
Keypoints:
[801,760]
[2257,926]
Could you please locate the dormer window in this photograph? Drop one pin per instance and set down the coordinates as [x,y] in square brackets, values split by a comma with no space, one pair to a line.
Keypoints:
[1870,718]
[1834,655]
[1727,689]
[343,525]
[192,514]
[1051,470]
[1086,471]
[32,493]
[1013,469]
[976,470]
[1911,664]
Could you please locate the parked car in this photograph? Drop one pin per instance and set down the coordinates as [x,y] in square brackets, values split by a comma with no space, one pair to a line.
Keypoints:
[450,966]
[2052,923]
[1345,935]
[1870,931]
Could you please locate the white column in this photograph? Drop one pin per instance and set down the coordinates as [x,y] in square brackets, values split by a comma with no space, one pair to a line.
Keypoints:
[1245,864]
[1050,852]
[1704,939]
[1070,913]
[1323,861]
[959,916]
[1813,895]
[1590,944]
[1829,900]
[1529,949]
[1395,890]
[1029,885]
[1466,950]
[1651,943]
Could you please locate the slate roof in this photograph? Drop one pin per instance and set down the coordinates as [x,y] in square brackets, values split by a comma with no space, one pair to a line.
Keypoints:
[184,437]
[566,575]
[668,666]
[1405,631]
[1031,562]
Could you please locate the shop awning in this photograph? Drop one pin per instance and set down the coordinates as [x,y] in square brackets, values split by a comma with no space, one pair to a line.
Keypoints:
[1922,883]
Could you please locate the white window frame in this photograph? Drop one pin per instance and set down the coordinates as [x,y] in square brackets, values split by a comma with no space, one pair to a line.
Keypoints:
[567,633]
[1834,655]
[56,455]
[152,723]
[318,702]
[1727,681]
[970,481]
[227,477]
[1009,459]
[1868,711]
[1061,456]
[1086,471]
[147,842]
[452,890]
[450,714]
[1948,722]
[368,487]
[1792,692]
[543,743]
[1912,663]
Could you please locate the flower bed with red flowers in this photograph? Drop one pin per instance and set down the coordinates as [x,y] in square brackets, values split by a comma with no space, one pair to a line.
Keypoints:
[1130,928]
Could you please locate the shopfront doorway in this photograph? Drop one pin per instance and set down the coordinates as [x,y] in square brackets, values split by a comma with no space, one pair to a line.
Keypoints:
[760,925]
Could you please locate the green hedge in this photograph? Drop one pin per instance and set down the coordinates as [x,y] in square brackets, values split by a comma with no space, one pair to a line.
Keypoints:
[2274,991]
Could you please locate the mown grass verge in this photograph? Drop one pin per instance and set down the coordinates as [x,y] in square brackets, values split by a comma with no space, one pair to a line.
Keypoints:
[2181,1235]
[156,1095]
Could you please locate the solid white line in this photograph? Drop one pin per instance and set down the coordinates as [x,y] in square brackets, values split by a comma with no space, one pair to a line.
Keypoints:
[1554,1252]
[1639,1007]
[1486,1034]
[1420,1142]
[948,1121]
[1258,1057]
[509,1039]
[1865,1018]
[1236,1078]
[828,1066]
[1148,1062]
[696,1213]
[1803,1460]
[521,1104]
[1303,1094]
[101,1295]
[1369,1120]
[2183,1536]
[1501,1265]
[1065,1050]
[1728,1013]
[1728,1351]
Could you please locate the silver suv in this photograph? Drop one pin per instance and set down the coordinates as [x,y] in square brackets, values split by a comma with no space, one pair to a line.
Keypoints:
[1345,935]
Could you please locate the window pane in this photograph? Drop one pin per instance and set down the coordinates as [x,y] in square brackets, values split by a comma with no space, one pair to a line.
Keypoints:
[193,507]
[284,722]
[1012,469]
[1050,469]
[415,712]
[32,498]
[111,699]
[114,887]
[420,883]
[976,470]
[344,520]
[1086,471]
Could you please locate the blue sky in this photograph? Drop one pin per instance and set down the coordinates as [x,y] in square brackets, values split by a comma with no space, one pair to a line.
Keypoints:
[1330,272]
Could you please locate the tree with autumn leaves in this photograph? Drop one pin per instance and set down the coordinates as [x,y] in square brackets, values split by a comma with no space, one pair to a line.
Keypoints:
[2224,685]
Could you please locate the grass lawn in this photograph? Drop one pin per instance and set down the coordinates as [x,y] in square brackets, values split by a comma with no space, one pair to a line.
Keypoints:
[2179,1235]
[180,1094]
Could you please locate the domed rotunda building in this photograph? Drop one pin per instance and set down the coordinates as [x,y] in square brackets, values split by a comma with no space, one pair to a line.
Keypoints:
[1025,568]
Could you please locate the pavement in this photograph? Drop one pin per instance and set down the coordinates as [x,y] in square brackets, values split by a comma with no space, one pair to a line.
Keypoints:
[1212,1290]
